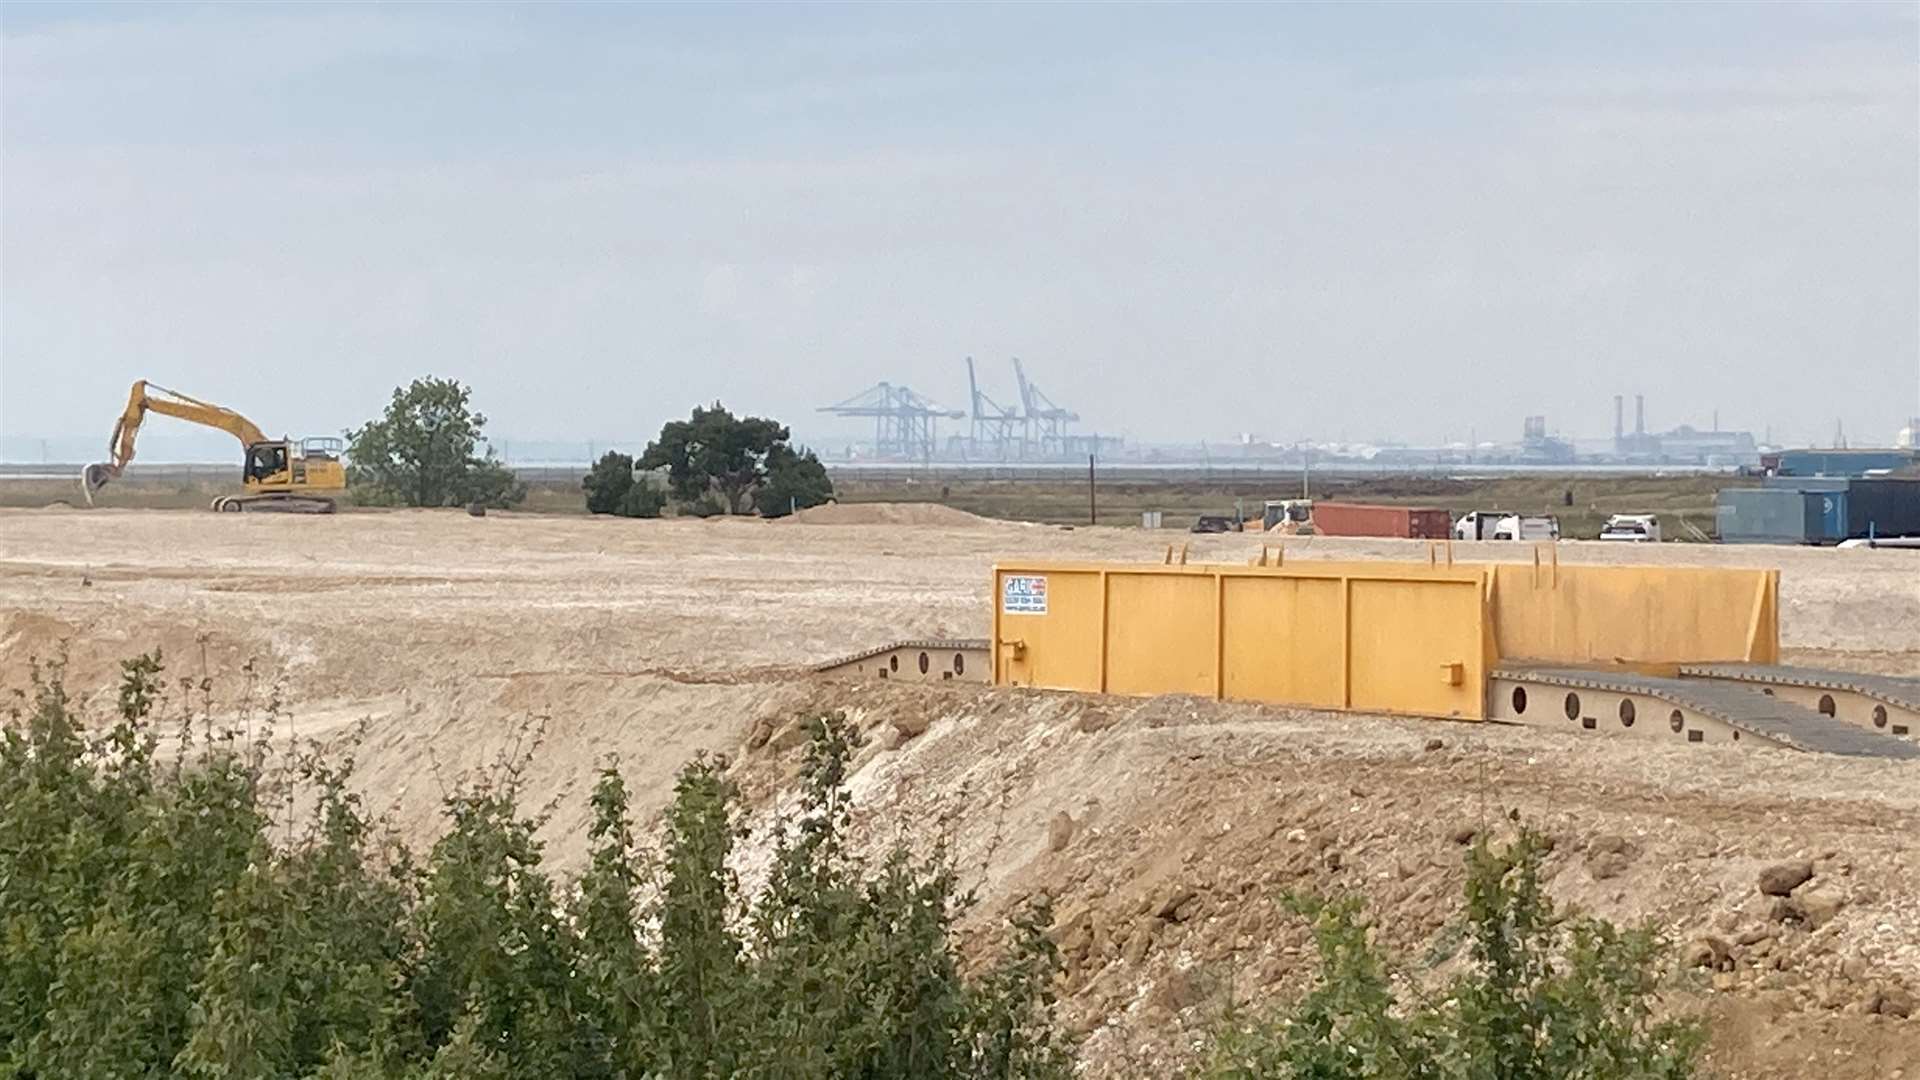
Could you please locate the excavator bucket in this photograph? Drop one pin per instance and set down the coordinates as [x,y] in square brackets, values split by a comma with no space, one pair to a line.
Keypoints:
[93,478]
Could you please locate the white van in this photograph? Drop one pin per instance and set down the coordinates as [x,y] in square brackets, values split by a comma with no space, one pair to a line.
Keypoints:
[1632,528]
[1516,527]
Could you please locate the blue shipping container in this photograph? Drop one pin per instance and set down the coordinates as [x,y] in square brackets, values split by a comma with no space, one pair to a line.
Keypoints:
[1883,506]
[1833,514]
[1819,510]
[1778,516]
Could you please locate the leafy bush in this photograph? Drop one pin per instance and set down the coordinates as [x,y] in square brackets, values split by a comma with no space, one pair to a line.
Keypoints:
[612,488]
[794,481]
[642,501]
[170,913]
[608,482]
[1542,997]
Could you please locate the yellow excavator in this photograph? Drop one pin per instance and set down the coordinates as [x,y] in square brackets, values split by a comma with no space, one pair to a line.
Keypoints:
[279,474]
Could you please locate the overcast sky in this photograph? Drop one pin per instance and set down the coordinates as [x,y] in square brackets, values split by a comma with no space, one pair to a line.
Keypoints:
[1361,221]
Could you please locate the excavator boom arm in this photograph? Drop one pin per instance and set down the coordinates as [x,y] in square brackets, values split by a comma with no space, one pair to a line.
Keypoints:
[146,397]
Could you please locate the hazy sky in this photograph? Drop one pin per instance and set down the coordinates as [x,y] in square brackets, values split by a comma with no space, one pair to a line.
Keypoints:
[1342,221]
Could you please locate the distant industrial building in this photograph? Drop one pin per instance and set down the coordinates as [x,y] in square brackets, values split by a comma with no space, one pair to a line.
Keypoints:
[1539,448]
[1839,463]
[1684,445]
[1708,447]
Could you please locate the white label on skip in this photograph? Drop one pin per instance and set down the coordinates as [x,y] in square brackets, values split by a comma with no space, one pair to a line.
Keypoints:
[1023,595]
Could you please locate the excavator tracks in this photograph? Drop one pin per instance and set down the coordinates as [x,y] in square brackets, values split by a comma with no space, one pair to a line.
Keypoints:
[1688,708]
[274,504]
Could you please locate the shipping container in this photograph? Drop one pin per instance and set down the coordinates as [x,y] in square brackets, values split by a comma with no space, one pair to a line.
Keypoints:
[1882,507]
[1776,516]
[1360,519]
[1827,510]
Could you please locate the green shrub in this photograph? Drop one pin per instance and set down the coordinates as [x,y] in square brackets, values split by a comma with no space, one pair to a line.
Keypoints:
[1542,996]
[795,481]
[612,488]
[643,500]
[608,482]
[173,914]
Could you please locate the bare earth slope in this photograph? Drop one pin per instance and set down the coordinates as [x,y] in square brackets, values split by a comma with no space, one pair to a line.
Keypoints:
[1164,828]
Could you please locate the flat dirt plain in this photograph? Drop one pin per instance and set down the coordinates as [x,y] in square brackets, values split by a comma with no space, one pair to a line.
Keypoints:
[1165,829]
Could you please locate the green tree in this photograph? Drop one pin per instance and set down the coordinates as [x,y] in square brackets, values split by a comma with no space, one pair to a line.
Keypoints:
[608,482]
[795,480]
[717,460]
[702,975]
[612,488]
[429,449]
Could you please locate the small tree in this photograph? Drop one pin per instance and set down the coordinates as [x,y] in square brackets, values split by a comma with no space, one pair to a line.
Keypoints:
[795,481]
[612,488]
[608,482]
[428,449]
[715,460]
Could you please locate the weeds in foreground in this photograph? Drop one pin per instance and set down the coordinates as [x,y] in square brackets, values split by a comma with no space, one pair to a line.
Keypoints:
[1541,996]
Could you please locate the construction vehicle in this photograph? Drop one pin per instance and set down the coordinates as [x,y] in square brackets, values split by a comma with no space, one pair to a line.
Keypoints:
[279,475]
[1290,517]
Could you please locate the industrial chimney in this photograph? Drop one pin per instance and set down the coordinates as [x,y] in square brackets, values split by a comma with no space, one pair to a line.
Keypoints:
[1639,414]
[1619,419]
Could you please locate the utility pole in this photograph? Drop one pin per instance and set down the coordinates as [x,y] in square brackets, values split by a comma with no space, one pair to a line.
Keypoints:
[1093,509]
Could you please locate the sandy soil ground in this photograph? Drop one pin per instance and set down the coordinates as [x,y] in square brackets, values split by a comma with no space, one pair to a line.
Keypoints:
[1164,827]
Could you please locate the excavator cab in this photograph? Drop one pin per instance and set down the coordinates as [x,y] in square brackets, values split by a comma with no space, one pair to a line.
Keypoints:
[268,465]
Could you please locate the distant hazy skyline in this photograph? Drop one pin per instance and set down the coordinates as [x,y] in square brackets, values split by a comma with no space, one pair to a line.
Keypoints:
[1344,221]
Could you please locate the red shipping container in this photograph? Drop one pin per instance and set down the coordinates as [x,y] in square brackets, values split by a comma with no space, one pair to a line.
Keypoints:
[1401,522]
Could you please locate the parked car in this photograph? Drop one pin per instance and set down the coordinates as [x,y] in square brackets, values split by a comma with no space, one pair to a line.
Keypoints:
[1632,528]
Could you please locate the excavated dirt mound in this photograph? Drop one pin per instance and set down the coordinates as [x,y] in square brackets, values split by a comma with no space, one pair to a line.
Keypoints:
[889,514]
[1163,828]
[1167,831]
